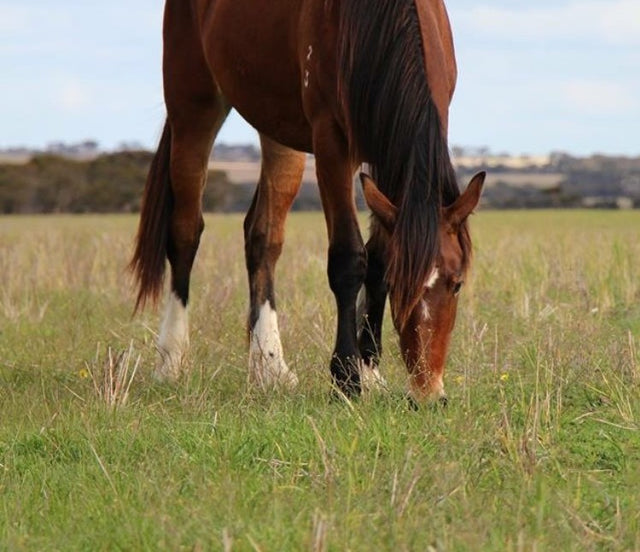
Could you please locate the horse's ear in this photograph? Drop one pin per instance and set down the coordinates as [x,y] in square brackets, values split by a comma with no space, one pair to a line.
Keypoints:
[385,211]
[462,207]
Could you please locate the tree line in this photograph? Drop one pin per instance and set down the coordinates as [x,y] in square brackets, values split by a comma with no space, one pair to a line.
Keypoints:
[109,183]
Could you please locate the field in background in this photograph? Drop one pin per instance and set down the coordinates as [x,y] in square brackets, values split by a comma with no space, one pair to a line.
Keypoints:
[539,448]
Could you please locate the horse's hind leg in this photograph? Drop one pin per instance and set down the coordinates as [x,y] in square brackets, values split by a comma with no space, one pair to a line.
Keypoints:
[193,131]
[279,183]
[196,111]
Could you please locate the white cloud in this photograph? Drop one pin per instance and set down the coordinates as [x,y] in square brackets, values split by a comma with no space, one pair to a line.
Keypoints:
[593,96]
[13,17]
[28,20]
[614,22]
[74,96]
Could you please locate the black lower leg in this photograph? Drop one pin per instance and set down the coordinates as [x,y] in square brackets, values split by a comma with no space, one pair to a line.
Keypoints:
[346,271]
[370,339]
[181,252]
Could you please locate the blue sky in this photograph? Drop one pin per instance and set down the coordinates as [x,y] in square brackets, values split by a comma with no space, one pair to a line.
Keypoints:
[534,76]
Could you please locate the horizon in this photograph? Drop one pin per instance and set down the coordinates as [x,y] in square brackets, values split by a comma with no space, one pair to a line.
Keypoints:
[66,149]
[557,76]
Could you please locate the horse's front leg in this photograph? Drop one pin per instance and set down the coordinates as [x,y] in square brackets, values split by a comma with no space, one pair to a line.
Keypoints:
[347,257]
[264,235]
[370,311]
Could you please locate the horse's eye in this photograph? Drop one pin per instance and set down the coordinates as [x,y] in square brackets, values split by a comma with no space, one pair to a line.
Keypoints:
[457,287]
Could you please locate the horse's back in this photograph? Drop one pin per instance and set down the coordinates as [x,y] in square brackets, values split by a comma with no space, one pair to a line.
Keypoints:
[253,52]
[275,61]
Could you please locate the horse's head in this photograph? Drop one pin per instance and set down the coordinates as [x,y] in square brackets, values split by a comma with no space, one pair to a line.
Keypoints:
[426,330]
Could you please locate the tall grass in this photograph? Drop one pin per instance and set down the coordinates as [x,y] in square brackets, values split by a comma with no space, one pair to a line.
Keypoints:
[538,449]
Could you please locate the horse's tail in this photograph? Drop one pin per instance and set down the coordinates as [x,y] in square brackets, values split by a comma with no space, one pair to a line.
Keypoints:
[149,259]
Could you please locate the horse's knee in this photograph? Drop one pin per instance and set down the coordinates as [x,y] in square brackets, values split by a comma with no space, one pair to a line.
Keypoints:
[346,269]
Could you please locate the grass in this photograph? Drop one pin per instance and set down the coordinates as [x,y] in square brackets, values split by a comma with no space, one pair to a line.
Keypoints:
[538,449]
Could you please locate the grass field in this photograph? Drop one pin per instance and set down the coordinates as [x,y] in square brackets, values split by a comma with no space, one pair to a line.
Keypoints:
[539,448]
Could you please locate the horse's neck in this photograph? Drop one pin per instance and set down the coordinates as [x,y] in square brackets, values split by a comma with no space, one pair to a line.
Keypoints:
[439,55]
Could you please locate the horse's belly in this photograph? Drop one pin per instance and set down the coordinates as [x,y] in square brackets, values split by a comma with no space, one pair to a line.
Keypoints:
[251,48]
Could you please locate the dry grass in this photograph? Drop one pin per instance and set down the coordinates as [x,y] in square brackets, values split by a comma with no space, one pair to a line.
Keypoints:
[112,376]
[538,449]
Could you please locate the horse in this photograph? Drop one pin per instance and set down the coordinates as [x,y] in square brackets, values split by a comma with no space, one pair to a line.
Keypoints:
[358,83]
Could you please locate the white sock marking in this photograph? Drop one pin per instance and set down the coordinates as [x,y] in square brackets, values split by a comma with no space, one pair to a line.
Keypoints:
[267,367]
[370,378]
[173,340]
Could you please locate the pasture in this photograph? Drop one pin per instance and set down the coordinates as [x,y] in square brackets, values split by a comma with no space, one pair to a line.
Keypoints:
[539,447]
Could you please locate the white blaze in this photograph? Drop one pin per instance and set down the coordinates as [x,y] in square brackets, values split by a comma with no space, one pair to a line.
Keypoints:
[173,340]
[424,310]
[266,359]
[433,278]
[429,284]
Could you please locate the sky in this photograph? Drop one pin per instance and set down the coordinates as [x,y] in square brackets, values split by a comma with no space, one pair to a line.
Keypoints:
[535,76]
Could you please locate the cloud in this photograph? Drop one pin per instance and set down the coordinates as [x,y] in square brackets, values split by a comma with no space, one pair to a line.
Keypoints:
[615,22]
[26,20]
[14,18]
[594,96]
[74,96]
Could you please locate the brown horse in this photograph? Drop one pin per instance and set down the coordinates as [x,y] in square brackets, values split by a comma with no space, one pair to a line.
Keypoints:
[353,81]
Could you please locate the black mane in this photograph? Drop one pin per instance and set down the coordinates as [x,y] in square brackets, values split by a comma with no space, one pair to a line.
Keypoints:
[395,127]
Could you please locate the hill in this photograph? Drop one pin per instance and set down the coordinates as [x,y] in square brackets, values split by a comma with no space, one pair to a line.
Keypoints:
[78,178]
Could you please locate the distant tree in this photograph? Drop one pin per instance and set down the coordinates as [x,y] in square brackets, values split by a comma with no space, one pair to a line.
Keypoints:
[109,183]
[217,193]
[458,151]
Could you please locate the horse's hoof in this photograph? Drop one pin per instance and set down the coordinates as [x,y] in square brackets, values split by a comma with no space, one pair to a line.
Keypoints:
[345,391]
[268,380]
[168,369]
[371,379]
[413,404]
[270,371]
[165,375]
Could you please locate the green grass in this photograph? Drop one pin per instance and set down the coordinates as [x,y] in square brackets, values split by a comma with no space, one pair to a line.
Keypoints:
[539,448]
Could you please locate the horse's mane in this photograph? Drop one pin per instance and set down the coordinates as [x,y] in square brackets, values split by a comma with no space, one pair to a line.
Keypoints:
[395,127]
